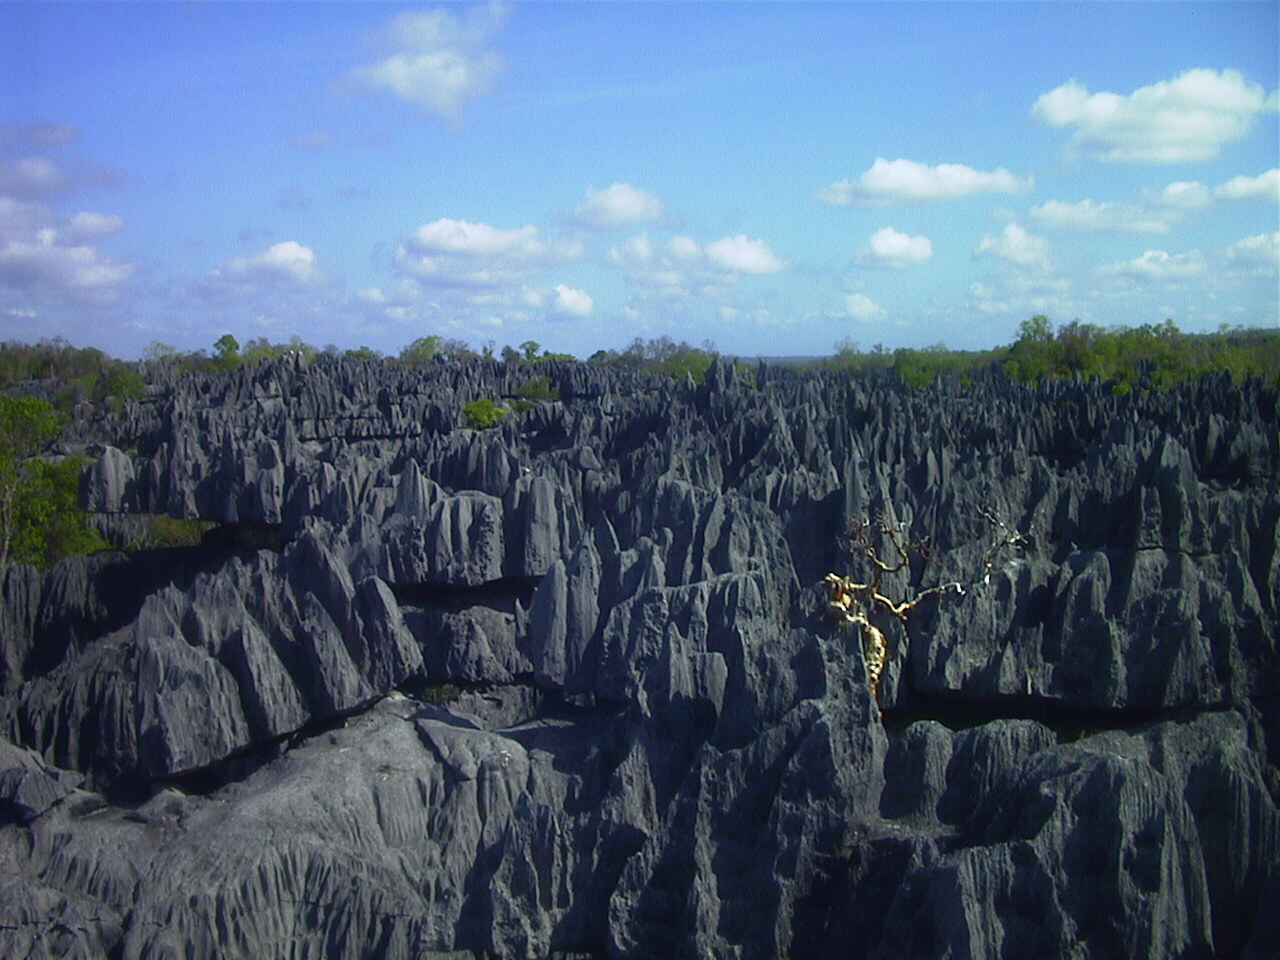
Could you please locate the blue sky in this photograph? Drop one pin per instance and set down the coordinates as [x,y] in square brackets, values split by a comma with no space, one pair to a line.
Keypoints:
[772,177]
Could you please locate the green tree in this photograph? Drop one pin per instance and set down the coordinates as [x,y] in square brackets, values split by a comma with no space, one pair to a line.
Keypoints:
[48,522]
[531,348]
[362,353]
[422,350]
[1039,329]
[226,352]
[482,414]
[26,425]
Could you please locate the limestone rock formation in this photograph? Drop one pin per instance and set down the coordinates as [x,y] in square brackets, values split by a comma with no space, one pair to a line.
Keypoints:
[567,687]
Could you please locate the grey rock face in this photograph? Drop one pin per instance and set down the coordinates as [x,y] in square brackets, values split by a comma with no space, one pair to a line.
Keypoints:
[565,688]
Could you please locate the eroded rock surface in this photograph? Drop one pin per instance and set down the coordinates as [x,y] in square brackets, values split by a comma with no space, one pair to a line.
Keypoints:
[565,688]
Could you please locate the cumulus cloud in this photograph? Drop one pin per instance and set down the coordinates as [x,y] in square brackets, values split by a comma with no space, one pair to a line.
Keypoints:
[571,302]
[1016,245]
[1185,119]
[1265,186]
[1156,265]
[28,177]
[892,248]
[287,265]
[1015,293]
[683,276]
[49,268]
[632,251]
[49,257]
[1155,211]
[863,308]
[287,260]
[741,254]
[1256,256]
[906,181]
[435,59]
[93,226]
[619,205]
[681,247]
[450,252]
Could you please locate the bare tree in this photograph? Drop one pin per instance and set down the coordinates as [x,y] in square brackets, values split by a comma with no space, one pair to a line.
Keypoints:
[885,549]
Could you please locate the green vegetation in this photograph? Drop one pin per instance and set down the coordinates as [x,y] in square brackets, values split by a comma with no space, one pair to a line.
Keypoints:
[661,355]
[538,390]
[86,374]
[162,530]
[483,414]
[48,360]
[226,352]
[256,351]
[528,353]
[48,522]
[40,516]
[425,349]
[1152,356]
[1155,355]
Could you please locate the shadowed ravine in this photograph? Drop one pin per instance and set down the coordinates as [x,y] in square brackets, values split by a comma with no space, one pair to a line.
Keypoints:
[566,687]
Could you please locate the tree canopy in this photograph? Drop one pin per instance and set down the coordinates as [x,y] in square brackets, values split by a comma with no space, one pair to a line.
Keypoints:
[40,517]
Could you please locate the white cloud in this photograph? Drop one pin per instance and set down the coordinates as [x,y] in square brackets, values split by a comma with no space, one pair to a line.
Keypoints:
[29,177]
[435,59]
[683,277]
[681,247]
[49,258]
[1153,212]
[477,239]
[572,302]
[906,181]
[861,307]
[21,219]
[287,261]
[1013,293]
[1265,186]
[892,248]
[632,251]
[94,226]
[741,254]
[52,270]
[286,268]
[1016,245]
[1184,195]
[1092,215]
[1256,256]
[459,253]
[619,205]
[1184,119]
[1157,265]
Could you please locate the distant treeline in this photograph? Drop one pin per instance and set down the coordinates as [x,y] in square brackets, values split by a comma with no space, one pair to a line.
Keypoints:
[89,374]
[1153,355]
[40,517]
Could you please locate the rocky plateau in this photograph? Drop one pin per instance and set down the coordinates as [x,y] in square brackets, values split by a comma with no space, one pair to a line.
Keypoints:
[567,687]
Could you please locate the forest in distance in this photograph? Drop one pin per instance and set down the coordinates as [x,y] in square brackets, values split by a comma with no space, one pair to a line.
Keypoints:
[44,385]
[1158,355]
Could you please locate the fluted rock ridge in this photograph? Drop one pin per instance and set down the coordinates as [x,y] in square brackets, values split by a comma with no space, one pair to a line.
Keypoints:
[565,687]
